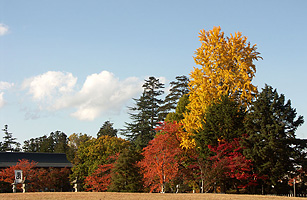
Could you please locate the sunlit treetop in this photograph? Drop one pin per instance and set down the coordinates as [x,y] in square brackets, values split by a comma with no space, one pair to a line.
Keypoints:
[226,67]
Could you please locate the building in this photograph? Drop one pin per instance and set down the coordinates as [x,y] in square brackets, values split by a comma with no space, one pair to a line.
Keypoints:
[44,160]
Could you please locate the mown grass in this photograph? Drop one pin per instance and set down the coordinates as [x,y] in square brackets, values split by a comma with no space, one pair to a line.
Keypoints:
[132,196]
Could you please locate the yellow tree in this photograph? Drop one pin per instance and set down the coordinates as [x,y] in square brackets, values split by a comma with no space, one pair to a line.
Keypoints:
[227,68]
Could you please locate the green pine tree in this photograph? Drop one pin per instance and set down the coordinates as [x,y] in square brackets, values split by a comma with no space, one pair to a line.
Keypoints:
[178,89]
[61,142]
[107,129]
[9,144]
[145,114]
[223,121]
[56,142]
[271,124]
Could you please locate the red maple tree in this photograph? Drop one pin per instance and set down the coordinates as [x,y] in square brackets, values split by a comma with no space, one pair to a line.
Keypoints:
[7,176]
[160,163]
[232,164]
[39,178]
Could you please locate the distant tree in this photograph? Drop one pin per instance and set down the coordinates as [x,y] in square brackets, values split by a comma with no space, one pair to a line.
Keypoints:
[125,174]
[56,142]
[107,129]
[145,114]
[9,143]
[271,124]
[177,90]
[61,142]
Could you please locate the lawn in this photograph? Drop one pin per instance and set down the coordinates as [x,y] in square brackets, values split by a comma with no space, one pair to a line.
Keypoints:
[132,196]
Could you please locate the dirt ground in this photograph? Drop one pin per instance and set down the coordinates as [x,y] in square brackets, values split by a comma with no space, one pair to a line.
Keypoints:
[133,196]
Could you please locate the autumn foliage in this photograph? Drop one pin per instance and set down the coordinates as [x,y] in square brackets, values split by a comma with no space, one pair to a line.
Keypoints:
[160,163]
[39,178]
[233,164]
[100,179]
[224,136]
[227,68]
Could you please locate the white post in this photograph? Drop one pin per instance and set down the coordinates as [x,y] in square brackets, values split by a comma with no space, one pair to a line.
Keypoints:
[294,194]
[14,187]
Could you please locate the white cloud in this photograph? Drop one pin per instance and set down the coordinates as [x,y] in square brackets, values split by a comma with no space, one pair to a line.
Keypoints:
[101,93]
[4,29]
[4,86]
[50,85]
[1,100]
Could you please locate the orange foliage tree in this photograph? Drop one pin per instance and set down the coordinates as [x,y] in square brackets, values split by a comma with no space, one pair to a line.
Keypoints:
[160,163]
[39,178]
[100,179]
[7,176]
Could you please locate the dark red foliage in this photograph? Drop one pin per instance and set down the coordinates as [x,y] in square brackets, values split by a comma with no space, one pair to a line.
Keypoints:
[235,165]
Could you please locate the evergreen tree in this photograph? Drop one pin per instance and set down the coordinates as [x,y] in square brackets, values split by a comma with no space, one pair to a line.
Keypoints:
[177,90]
[107,129]
[180,110]
[223,121]
[271,124]
[9,143]
[126,175]
[145,116]
[56,142]
[153,89]
[61,142]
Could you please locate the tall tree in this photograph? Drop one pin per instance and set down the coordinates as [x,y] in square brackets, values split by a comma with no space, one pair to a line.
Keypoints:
[179,87]
[107,129]
[227,68]
[9,143]
[145,114]
[271,124]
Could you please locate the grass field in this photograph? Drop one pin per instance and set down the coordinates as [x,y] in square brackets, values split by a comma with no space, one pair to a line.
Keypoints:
[133,196]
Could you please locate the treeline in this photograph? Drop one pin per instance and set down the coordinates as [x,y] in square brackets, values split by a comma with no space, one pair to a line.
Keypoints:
[213,132]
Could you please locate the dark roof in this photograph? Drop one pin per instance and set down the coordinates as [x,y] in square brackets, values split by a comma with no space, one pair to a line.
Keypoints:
[8,159]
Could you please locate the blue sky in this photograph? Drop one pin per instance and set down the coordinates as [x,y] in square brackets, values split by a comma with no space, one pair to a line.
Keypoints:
[71,65]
